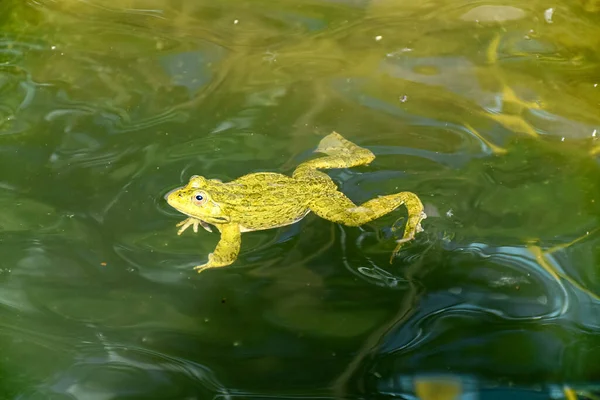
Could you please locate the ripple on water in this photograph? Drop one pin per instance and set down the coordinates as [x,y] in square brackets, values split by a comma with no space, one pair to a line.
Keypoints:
[106,74]
[491,13]
[512,301]
[124,370]
[17,95]
[97,296]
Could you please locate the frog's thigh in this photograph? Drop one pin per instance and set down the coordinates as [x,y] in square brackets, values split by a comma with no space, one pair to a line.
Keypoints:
[336,207]
[227,249]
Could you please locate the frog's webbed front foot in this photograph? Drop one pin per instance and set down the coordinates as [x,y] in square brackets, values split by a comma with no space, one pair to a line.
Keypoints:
[186,223]
[227,249]
[336,207]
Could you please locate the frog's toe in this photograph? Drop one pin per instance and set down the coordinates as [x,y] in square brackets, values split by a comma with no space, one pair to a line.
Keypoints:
[200,268]
[399,244]
[404,240]
[208,264]
[205,226]
[184,225]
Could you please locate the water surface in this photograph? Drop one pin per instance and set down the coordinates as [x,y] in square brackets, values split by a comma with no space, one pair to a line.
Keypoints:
[488,111]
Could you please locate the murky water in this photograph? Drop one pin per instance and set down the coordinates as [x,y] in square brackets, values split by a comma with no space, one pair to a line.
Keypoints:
[488,111]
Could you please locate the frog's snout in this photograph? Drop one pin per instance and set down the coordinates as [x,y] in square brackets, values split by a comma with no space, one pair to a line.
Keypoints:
[166,197]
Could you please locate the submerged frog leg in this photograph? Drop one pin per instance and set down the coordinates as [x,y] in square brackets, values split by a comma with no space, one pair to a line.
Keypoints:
[227,249]
[186,223]
[514,120]
[336,207]
[546,262]
[495,149]
[341,153]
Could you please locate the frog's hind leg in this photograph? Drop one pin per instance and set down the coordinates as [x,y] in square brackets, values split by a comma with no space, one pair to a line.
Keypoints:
[341,153]
[336,207]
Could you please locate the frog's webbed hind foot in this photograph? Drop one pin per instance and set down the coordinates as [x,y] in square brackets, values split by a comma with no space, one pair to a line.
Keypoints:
[341,153]
[335,144]
[413,226]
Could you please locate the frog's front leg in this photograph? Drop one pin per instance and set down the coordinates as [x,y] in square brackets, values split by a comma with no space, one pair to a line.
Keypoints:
[336,207]
[227,249]
[186,223]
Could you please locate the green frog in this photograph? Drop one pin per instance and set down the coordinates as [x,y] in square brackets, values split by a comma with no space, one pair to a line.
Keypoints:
[266,200]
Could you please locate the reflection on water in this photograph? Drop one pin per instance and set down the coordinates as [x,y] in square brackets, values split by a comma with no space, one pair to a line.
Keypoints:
[488,111]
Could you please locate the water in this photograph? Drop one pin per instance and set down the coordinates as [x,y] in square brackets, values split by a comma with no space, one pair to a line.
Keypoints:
[489,112]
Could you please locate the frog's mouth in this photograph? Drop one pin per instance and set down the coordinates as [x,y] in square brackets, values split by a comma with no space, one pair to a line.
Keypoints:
[217,220]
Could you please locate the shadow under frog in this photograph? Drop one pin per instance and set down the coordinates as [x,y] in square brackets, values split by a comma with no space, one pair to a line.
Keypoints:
[266,200]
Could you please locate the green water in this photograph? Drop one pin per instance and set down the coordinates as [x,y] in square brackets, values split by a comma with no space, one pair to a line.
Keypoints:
[488,111]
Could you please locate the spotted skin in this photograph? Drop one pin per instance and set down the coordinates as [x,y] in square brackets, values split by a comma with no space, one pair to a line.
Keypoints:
[267,200]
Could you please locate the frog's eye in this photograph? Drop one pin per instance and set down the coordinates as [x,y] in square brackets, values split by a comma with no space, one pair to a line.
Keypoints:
[199,198]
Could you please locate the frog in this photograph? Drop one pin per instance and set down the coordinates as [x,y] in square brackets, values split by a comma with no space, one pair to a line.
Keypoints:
[268,200]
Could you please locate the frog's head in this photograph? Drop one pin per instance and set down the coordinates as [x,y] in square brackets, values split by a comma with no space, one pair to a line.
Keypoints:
[194,200]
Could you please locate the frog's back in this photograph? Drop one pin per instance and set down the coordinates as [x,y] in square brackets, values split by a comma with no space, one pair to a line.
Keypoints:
[262,180]
[264,200]
[273,186]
